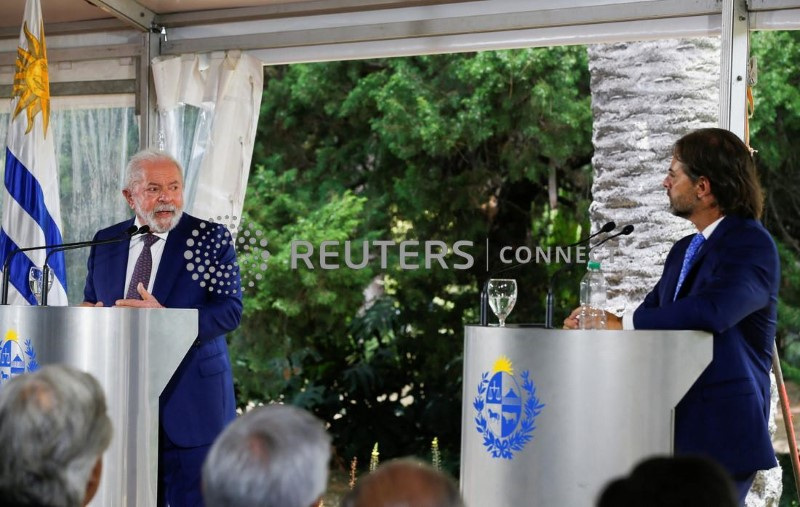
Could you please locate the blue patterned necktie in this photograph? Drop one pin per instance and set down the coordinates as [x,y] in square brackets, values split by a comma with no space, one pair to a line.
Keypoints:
[143,267]
[688,260]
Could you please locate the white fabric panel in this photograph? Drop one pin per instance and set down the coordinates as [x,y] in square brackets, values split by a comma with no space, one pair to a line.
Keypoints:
[214,137]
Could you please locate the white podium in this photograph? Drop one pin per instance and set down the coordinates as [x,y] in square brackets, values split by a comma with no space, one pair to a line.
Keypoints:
[550,416]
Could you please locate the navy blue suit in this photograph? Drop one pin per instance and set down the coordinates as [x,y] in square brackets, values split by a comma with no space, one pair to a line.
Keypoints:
[732,292]
[198,401]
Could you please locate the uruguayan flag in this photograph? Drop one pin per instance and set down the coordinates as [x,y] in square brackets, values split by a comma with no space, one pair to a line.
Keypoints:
[31,211]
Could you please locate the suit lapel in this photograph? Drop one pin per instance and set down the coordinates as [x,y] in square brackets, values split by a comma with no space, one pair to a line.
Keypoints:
[172,261]
[118,264]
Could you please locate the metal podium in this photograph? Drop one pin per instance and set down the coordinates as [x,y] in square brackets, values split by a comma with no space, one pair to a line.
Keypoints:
[550,416]
[132,352]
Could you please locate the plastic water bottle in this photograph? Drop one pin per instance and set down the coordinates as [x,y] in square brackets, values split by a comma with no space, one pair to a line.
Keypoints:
[593,298]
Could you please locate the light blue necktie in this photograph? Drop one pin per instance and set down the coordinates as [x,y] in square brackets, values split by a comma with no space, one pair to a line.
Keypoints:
[688,260]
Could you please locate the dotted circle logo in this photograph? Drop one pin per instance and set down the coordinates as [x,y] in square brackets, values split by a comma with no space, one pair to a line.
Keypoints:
[206,245]
[204,255]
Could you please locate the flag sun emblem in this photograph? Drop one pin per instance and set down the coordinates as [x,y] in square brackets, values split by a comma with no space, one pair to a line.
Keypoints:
[31,83]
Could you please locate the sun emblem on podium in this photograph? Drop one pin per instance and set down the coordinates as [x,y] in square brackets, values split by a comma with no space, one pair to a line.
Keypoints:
[506,409]
[31,82]
[13,359]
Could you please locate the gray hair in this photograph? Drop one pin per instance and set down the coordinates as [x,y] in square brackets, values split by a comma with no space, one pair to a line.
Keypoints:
[137,163]
[53,429]
[404,483]
[272,456]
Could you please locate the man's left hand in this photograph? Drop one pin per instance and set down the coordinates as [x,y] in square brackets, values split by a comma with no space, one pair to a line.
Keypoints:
[147,301]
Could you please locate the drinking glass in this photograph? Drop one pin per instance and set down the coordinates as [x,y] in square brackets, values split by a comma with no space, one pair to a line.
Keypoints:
[35,283]
[502,296]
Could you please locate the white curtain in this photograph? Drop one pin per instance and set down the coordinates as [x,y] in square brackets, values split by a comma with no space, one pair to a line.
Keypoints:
[208,113]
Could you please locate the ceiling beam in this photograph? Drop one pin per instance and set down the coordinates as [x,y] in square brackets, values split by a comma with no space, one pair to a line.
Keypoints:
[71,28]
[291,9]
[78,54]
[129,11]
[454,23]
[771,5]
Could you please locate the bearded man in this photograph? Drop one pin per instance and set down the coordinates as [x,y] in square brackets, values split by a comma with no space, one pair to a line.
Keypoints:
[152,271]
[723,279]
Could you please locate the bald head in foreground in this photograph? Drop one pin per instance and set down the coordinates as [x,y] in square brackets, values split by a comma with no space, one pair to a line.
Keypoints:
[404,483]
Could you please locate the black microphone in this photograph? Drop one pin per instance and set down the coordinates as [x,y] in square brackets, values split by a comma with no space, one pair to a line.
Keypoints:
[484,296]
[126,235]
[550,301]
[7,263]
[624,232]
[607,227]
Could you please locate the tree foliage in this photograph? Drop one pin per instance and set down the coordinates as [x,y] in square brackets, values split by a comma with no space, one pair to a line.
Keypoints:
[457,147]
[775,129]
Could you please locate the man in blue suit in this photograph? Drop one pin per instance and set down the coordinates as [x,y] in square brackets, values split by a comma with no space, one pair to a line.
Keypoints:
[723,280]
[152,271]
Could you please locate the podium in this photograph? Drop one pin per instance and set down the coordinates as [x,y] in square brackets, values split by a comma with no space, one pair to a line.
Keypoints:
[550,416]
[132,352]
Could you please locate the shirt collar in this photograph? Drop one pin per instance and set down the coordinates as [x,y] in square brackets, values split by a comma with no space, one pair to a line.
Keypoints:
[159,235]
[709,230]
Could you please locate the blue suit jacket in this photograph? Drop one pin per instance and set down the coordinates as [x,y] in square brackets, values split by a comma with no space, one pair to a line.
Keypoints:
[732,292]
[198,401]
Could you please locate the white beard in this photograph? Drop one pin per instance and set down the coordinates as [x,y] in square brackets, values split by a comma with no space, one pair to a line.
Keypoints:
[150,218]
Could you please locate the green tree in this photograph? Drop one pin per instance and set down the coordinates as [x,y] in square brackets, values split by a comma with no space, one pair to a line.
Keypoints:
[775,128]
[458,147]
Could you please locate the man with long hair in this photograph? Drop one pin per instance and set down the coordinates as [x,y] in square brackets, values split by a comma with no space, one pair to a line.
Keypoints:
[724,280]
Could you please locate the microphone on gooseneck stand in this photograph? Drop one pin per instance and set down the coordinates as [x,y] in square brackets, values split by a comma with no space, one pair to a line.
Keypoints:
[7,264]
[624,232]
[549,302]
[484,300]
[607,227]
[126,235]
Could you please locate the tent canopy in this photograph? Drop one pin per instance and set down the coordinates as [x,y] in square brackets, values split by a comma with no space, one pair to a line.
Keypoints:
[106,46]
[102,47]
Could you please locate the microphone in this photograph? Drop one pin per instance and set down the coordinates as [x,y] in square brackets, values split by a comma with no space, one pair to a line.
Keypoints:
[550,301]
[484,296]
[126,235]
[607,227]
[549,309]
[624,232]
[7,263]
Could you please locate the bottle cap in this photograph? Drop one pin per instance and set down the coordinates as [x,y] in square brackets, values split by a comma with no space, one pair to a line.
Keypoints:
[593,265]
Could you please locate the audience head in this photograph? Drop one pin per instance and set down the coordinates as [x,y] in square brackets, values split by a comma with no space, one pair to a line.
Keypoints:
[53,431]
[672,482]
[272,456]
[404,483]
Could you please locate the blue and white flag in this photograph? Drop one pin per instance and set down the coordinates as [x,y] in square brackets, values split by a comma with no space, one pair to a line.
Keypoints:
[31,210]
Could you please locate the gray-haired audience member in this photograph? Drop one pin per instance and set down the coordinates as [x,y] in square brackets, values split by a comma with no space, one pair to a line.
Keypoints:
[677,481]
[53,431]
[404,483]
[272,456]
